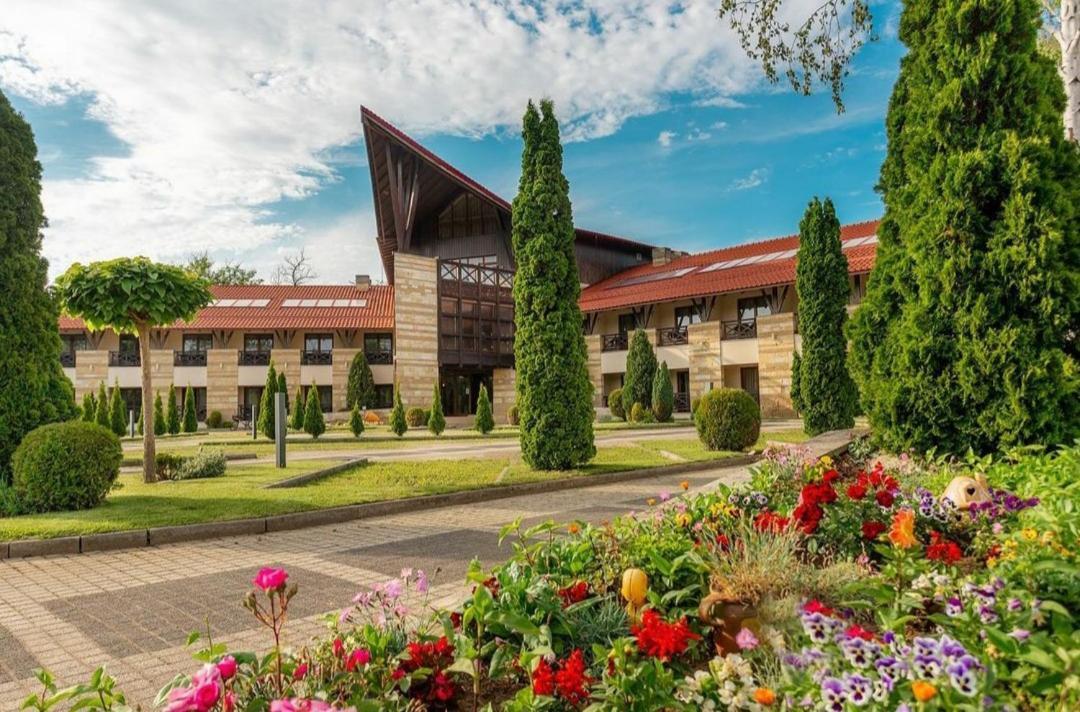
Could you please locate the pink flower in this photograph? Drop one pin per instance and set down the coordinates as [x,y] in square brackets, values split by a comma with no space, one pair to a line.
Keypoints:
[421,582]
[300,672]
[665,496]
[298,705]
[200,696]
[745,639]
[406,573]
[393,588]
[357,658]
[284,706]
[270,579]
[227,667]
[228,703]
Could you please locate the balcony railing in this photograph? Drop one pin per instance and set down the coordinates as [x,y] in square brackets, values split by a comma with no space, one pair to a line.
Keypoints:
[380,358]
[316,358]
[613,342]
[682,402]
[189,358]
[672,336]
[124,358]
[67,359]
[743,329]
[254,358]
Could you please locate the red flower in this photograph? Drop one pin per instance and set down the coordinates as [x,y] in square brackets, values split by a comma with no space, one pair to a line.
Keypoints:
[339,647]
[571,682]
[884,498]
[543,679]
[455,620]
[816,606]
[857,631]
[807,517]
[872,530]
[442,687]
[435,656]
[660,639]
[723,542]
[856,491]
[941,549]
[768,521]
[830,476]
[574,593]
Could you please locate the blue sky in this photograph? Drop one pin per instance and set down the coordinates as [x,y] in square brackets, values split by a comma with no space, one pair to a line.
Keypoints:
[273,159]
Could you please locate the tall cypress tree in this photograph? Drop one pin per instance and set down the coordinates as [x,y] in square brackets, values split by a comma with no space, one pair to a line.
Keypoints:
[826,392]
[640,372]
[266,403]
[101,415]
[172,412]
[89,407]
[191,418]
[118,415]
[554,394]
[160,424]
[33,388]
[283,387]
[360,388]
[966,336]
[436,420]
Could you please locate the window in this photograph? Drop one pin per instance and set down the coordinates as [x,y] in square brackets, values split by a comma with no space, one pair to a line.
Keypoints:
[378,343]
[384,395]
[129,344]
[252,396]
[326,397]
[627,323]
[482,260]
[750,308]
[685,316]
[323,343]
[72,343]
[258,342]
[196,343]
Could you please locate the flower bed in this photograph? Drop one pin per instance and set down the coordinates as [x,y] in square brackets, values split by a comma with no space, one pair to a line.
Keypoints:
[818,585]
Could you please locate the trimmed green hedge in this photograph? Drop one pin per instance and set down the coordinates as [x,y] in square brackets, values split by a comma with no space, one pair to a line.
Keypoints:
[65,466]
[728,419]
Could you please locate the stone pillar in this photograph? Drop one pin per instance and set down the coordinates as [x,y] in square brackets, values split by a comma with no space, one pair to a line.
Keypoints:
[222,382]
[704,355]
[596,372]
[91,368]
[503,394]
[343,359]
[288,361]
[161,372]
[776,346]
[416,332]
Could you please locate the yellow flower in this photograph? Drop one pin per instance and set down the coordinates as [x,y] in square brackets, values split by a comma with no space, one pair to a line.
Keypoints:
[1029,534]
[650,501]
[923,690]
[684,519]
[573,527]
[1047,537]
[826,461]
[992,651]
[991,562]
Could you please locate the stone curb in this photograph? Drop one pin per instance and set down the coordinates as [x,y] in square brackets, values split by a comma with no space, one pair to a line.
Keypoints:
[335,515]
[309,477]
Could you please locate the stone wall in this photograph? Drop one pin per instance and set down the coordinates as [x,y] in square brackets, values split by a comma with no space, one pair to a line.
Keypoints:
[776,345]
[503,395]
[288,361]
[91,368]
[343,359]
[222,387]
[596,372]
[416,338]
[706,364]
[161,372]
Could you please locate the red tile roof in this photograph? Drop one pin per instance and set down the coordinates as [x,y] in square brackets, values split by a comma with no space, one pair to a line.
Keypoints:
[688,277]
[377,313]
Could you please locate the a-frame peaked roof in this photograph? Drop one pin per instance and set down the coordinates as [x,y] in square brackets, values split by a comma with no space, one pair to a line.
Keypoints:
[408,180]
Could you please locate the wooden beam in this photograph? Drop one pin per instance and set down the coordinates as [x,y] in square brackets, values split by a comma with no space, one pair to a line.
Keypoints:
[94,338]
[412,200]
[394,175]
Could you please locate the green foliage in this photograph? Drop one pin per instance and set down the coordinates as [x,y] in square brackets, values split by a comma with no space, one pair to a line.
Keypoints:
[796,382]
[663,394]
[826,391]
[356,421]
[118,415]
[554,393]
[101,412]
[226,273]
[191,418]
[89,407]
[213,419]
[361,384]
[161,425]
[436,421]
[728,419]
[65,466]
[397,414]
[314,423]
[205,463]
[640,372]
[416,417]
[640,414]
[485,421]
[615,404]
[166,464]
[172,412]
[266,403]
[283,387]
[513,415]
[33,388]
[966,336]
[296,417]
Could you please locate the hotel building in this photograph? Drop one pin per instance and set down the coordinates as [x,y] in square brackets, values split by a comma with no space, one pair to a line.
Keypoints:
[724,318]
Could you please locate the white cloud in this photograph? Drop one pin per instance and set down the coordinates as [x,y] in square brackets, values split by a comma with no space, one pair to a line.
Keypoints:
[665,138]
[226,107]
[718,125]
[753,180]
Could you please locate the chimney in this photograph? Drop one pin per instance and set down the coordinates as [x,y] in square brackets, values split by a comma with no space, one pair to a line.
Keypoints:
[663,255]
[363,281]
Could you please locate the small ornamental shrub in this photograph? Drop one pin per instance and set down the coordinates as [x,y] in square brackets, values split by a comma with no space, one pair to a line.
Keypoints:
[266,403]
[637,412]
[65,466]
[360,388]
[728,419]
[314,423]
[485,421]
[283,387]
[101,412]
[614,401]
[416,417]
[89,407]
[436,420]
[160,424]
[296,418]
[513,415]
[118,416]
[663,395]
[398,425]
[207,463]
[640,372]
[172,412]
[191,420]
[213,419]
[356,420]
[166,464]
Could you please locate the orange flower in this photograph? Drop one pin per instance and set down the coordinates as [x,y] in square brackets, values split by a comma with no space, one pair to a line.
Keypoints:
[902,533]
[764,696]
[573,527]
[650,501]
[685,484]
[923,690]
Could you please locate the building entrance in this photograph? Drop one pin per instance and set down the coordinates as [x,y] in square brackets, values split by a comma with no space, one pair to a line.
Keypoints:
[460,388]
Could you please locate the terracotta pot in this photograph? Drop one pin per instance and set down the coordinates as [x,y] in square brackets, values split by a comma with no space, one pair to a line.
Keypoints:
[727,618]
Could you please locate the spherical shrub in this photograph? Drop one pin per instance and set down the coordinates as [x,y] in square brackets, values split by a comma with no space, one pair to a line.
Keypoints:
[65,466]
[416,417]
[213,419]
[614,400]
[513,415]
[728,419]
[637,412]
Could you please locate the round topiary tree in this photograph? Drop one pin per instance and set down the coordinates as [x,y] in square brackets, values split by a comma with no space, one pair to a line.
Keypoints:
[663,395]
[172,412]
[638,413]
[513,415]
[296,420]
[485,421]
[615,404]
[640,372]
[397,415]
[65,466]
[133,295]
[436,421]
[356,420]
[360,389]
[266,403]
[314,423]
[728,419]
[416,417]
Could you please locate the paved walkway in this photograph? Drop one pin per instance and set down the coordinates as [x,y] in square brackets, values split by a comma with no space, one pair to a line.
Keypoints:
[132,610]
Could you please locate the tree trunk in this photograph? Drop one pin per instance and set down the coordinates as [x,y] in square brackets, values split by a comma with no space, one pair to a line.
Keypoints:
[149,449]
[1068,36]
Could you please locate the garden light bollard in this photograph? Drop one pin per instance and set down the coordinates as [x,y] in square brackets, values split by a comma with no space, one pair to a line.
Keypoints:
[254,422]
[279,428]
[131,423]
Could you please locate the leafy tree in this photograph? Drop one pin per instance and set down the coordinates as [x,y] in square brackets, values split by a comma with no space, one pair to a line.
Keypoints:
[827,393]
[266,403]
[640,372]
[283,387]
[663,395]
[172,412]
[101,414]
[225,273]
[314,423]
[133,295]
[967,335]
[436,420]
[89,407]
[33,388]
[361,384]
[191,418]
[118,416]
[796,382]
[356,421]
[554,393]
[297,415]
[397,414]
[160,423]
[485,420]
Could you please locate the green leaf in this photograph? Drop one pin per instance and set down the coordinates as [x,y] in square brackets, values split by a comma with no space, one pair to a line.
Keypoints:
[1040,658]
[518,623]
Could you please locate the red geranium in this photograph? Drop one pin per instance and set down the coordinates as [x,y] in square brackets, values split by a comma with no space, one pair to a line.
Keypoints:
[816,606]
[856,491]
[884,498]
[723,542]
[857,631]
[567,679]
[872,530]
[942,549]
[435,656]
[769,521]
[574,593]
[660,639]
[543,679]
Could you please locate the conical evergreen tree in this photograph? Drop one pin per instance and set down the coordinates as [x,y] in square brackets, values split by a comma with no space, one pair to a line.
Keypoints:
[554,394]
[118,415]
[33,388]
[191,418]
[663,395]
[826,390]
[361,384]
[172,412]
[89,407]
[485,420]
[266,403]
[296,421]
[398,425]
[101,413]
[314,423]
[283,387]
[966,336]
[160,424]
[436,420]
[356,420]
[640,372]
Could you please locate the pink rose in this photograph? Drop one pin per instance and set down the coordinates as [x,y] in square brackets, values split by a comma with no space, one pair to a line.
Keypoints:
[284,706]
[745,639]
[229,702]
[227,667]
[357,658]
[270,579]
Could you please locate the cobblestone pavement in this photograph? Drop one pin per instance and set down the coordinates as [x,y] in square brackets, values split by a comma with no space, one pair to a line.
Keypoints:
[132,610]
